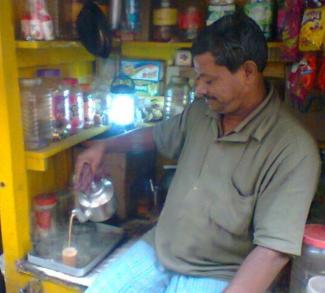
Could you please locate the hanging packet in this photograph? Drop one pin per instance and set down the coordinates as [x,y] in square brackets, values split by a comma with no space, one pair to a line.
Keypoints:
[312,29]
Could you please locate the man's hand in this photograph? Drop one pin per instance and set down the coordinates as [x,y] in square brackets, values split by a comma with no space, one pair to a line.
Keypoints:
[88,164]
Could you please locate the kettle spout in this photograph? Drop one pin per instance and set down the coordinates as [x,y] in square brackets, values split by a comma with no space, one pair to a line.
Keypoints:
[82,218]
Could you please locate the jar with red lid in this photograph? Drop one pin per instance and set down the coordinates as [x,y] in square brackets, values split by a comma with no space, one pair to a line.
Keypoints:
[191,18]
[44,216]
[312,260]
[164,20]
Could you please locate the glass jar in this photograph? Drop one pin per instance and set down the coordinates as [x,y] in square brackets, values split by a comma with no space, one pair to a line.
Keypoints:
[176,96]
[191,18]
[312,260]
[44,216]
[164,20]
[36,113]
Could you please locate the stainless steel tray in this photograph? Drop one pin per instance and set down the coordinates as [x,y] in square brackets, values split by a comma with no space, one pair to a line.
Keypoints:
[93,241]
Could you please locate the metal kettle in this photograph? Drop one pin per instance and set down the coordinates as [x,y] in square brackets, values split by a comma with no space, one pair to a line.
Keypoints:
[97,204]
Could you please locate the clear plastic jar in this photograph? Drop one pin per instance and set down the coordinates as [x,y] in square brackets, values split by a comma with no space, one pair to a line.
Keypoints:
[89,105]
[176,96]
[76,105]
[101,98]
[44,216]
[36,113]
[312,260]
[59,103]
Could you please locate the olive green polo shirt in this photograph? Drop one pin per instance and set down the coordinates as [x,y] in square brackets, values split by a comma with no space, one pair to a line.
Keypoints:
[253,186]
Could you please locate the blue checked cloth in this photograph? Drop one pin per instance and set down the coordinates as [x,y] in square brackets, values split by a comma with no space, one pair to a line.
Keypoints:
[138,270]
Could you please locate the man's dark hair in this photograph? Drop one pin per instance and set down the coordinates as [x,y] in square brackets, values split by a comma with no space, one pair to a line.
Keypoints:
[232,40]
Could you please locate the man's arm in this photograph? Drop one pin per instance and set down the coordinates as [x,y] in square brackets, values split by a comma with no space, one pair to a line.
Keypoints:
[89,161]
[258,271]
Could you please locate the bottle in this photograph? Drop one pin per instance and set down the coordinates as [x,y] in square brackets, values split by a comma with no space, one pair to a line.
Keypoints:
[164,20]
[132,11]
[176,96]
[36,113]
[36,22]
[191,18]
[76,106]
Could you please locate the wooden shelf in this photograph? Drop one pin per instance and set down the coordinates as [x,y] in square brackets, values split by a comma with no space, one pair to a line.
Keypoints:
[37,160]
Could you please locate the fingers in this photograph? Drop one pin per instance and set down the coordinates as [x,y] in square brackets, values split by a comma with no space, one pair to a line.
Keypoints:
[83,173]
[85,178]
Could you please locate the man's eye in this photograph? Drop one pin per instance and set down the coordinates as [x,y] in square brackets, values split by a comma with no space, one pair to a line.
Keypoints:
[209,82]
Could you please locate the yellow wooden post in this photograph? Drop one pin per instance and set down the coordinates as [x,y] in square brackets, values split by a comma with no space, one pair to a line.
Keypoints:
[14,200]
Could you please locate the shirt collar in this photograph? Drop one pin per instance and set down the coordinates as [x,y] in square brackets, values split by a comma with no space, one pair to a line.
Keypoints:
[257,124]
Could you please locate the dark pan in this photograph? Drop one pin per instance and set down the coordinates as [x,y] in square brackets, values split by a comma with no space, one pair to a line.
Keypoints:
[94,31]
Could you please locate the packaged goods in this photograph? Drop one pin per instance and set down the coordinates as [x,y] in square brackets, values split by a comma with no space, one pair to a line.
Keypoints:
[312,30]
[291,28]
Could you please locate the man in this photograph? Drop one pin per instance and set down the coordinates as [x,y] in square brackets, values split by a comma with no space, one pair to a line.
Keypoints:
[246,175]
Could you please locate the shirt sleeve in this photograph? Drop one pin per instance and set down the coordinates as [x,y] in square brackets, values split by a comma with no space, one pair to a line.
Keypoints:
[169,135]
[282,207]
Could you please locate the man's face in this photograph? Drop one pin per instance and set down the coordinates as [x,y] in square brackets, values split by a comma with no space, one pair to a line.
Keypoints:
[222,90]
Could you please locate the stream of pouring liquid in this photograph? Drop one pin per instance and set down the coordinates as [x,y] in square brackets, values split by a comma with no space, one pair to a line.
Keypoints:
[70,228]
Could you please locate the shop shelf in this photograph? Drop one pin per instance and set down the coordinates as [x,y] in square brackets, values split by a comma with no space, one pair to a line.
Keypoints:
[40,53]
[161,50]
[38,160]
[166,52]
[47,44]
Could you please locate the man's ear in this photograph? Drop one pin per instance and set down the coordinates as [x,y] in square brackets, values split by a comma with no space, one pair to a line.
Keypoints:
[250,70]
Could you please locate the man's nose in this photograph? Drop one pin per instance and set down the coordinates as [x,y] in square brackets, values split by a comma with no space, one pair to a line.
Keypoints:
[200,88]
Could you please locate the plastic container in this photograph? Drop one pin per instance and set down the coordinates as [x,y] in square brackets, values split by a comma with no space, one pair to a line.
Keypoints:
[36,22]
[101,98]
[36,113]
[176,96]
[44,216]
[59,103]
[312,260]
[76,105]
[164,20]
[89,105]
